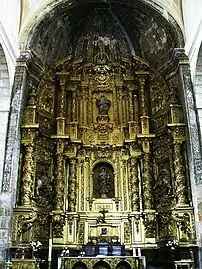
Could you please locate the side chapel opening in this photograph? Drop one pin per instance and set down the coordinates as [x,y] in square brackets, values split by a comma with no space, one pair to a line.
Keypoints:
[103,154]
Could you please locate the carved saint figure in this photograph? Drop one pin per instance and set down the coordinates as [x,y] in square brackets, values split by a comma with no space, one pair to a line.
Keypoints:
[103,105]
[104,182]
[162,189]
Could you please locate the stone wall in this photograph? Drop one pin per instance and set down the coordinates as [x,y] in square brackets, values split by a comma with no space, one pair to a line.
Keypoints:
[4,105]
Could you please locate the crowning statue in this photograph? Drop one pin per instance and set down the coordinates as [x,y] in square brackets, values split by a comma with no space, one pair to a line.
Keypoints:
[103,105]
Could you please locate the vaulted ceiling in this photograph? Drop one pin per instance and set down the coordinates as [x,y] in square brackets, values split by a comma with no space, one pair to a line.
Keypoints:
[146,32]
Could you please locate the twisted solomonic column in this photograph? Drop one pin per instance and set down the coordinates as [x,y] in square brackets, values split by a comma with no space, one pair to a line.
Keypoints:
[27,177]
[72,186]
[135,203]
[179,173]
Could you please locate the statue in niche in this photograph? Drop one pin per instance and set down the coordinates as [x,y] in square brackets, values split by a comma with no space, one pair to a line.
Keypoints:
[103,181]
[162,189]
[103,105]
[44,190]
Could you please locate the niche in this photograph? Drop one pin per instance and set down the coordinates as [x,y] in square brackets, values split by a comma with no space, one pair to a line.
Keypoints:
[103,181]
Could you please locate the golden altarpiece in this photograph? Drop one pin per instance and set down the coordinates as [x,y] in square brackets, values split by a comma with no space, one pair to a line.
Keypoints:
[103,156]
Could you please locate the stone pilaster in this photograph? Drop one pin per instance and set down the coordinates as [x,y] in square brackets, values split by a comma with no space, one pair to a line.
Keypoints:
[13,141]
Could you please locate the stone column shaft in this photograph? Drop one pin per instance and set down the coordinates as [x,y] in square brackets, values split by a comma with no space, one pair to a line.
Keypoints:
[13,140]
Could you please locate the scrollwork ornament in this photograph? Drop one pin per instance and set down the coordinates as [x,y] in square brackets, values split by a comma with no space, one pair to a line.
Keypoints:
[162,190]
[102,74]
[26,222]
[24,264]
[150,226]
[127,232]
[165,225]
[103,152]
[81,228]
[183,222]
[58,222]
[41,227]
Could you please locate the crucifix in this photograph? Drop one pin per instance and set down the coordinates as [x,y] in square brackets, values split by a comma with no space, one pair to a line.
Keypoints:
[102,218]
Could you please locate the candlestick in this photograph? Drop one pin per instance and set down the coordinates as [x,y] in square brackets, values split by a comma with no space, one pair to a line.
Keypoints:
[50,246]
